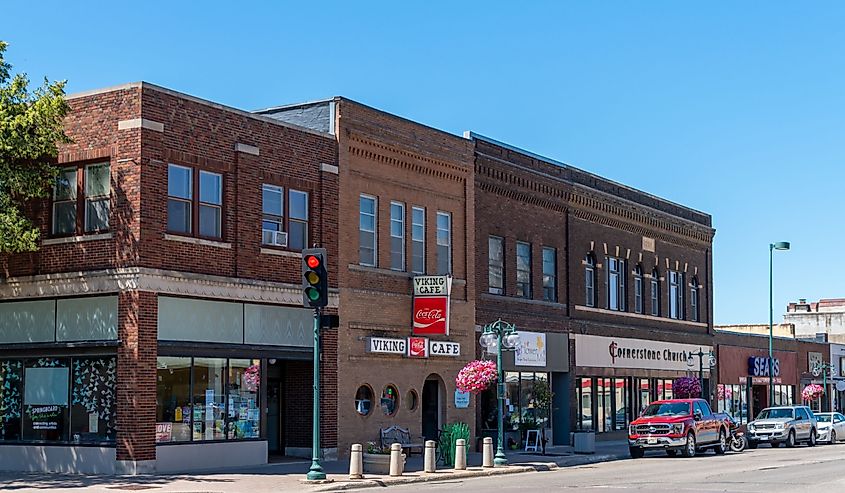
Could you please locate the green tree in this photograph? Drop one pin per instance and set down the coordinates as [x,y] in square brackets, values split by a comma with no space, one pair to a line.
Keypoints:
[30,131]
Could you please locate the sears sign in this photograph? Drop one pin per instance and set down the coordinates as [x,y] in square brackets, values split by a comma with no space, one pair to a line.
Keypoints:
[758,366]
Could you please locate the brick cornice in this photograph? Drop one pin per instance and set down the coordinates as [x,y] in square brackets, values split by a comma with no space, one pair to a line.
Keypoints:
[377,151]
[156,281]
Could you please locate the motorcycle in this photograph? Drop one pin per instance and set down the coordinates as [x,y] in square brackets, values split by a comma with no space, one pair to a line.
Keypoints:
[738,442]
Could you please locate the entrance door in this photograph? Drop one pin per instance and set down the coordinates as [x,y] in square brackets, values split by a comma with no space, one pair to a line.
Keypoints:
[430,409]
[759,399]
[275,417]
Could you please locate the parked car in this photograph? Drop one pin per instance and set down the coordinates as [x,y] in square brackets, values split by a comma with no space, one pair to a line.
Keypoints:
[783,424]
[831,427]
[678,425]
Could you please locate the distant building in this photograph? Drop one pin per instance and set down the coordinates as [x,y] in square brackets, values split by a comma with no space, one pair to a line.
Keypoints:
[826,316]
[778,330]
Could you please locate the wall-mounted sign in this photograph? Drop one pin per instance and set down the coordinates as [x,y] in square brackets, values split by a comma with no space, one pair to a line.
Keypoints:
[531,350]
[461,399]
[813,359]
[617,352]
[418,347]
[758,366]
[386,345]
[444,348]
[431,305]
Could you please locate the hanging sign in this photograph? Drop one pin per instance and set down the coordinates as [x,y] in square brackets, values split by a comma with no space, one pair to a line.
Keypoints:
[531,350]
[431,305]
[461,399]
[418,347]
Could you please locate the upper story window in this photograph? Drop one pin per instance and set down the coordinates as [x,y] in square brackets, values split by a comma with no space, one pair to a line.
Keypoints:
[655,293]
[444,242]
[590,280]
[187,215]
[615,284]
[638,289]
[297,219]
[676,295]
[367,234]
[418,240]
[693,300]
[397,236]
[549,274]
[523,269]
[75,213]
[496,265]
[277,229]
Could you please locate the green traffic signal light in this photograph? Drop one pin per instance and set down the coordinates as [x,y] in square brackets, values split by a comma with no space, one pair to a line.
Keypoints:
[313,294]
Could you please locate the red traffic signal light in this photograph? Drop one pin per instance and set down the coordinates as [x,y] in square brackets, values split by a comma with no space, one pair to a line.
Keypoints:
[315,281]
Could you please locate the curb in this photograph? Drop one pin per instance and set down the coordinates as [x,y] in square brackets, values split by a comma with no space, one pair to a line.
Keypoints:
[446,475]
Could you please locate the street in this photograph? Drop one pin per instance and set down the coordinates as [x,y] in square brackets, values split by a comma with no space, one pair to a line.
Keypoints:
[762,470]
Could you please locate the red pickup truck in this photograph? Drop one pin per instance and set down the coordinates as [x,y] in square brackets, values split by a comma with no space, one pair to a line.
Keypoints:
[685,425]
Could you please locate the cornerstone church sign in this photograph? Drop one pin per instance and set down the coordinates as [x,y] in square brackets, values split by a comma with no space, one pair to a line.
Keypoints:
[618,352]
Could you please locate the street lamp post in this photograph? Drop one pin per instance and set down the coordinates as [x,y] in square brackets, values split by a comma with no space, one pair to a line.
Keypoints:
[781,245]
[824,369]
[499,336]
[711,362]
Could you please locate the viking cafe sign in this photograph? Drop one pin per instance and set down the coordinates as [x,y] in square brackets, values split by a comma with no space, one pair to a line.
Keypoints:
[431,305]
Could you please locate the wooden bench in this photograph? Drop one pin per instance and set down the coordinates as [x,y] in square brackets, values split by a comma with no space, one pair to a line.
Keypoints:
[402,436]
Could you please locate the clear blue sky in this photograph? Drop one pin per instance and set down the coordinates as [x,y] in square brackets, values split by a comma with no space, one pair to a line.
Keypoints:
[733,108]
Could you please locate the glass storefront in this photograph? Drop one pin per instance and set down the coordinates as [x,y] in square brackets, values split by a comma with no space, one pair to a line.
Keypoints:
[521,411]
[199,399]
[63,400]
[732,399]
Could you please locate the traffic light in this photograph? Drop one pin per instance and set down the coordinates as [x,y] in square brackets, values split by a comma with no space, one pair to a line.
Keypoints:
[315,279]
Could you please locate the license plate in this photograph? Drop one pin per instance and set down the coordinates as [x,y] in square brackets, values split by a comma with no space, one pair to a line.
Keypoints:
[763,438]
[652,441]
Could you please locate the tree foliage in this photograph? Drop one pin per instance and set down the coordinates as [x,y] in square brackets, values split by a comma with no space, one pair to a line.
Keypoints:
[30,131]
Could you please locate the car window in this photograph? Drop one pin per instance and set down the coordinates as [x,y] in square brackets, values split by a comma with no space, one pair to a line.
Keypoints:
[809,412]
[836,418]
[839,418]
[775,413]
[803,413]
[824,418]
[697,408]
[667,409]
[705,408]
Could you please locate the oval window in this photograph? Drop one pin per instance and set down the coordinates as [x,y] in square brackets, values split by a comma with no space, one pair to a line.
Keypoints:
[412,400]
[363,400]
[389,400]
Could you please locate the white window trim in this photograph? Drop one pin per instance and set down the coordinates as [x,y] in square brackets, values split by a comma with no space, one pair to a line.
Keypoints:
[402,237]
[420,242]
[448,244]
[500,289]
[375,229]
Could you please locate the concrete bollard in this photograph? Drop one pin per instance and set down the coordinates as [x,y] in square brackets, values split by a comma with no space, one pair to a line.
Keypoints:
[396,464]
[430,456]
[356,462]
[487,453]
[460,454]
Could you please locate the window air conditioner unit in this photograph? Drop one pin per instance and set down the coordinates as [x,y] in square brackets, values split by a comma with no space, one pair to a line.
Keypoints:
[276,238]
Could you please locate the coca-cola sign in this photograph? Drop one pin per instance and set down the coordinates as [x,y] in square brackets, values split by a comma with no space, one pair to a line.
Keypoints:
[431,315]
[418,347]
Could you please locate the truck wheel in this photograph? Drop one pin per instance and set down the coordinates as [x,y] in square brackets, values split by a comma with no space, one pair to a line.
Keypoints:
[790,440]
[722,447]
[690,448]
[636,452]
[812,441]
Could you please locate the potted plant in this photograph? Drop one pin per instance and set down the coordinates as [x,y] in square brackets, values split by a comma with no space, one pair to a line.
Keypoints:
[543,404]
[377,459]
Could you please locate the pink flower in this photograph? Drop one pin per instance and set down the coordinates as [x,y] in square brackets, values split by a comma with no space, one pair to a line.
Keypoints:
[476,376]
[812,392]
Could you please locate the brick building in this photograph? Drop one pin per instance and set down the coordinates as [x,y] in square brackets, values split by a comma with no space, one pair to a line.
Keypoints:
[406,196]
[160,325]
[609,286]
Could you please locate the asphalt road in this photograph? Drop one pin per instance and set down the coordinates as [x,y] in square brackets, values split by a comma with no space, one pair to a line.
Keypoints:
[819,469]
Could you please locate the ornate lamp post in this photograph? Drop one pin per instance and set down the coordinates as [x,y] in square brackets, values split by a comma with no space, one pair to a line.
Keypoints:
[703,357]
[781,245]
[500,336]
[824,369]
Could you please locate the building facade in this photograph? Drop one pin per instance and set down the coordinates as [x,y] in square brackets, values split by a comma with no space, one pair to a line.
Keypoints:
[616,281]
[826,316]
[159,327]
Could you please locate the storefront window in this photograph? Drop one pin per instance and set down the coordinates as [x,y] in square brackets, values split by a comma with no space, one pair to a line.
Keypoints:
[46,389]
[389,400]
[363,400]
[11,385]
[244,380]
[585,399]
[783,395]
[93,398]
[209,404]
[644,395]
[621,410]
[173,399]
[731,400]
[412,400]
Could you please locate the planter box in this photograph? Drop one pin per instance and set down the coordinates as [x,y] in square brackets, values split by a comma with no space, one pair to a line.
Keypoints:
[380,463]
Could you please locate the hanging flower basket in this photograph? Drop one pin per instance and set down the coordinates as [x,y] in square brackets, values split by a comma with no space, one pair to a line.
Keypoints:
[686,388]
[812,392]
[476,376]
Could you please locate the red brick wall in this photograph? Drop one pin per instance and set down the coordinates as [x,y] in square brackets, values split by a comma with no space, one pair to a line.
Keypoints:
[136,374]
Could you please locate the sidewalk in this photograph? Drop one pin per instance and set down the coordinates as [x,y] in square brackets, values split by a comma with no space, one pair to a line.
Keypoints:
[290,475]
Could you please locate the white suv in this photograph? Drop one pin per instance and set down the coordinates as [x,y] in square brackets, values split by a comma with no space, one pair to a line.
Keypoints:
[784,424]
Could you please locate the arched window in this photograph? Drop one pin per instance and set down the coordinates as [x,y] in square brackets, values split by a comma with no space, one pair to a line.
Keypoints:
[590,280]
[638,289]
[655,293]
[693,300]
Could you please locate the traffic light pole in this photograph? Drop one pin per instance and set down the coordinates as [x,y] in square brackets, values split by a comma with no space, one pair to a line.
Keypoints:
[316,472]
